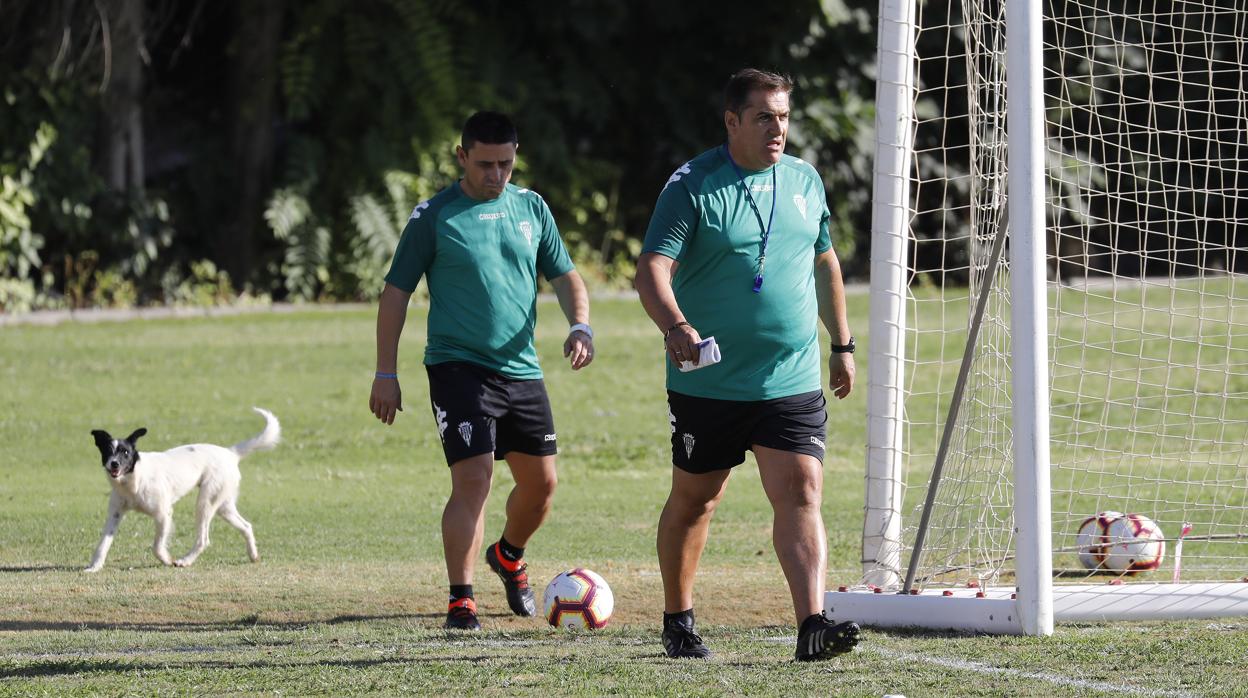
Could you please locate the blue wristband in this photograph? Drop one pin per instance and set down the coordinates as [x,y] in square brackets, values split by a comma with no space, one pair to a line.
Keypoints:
[387,375]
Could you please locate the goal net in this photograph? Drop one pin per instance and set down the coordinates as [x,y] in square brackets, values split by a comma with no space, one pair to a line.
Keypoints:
[1141,118]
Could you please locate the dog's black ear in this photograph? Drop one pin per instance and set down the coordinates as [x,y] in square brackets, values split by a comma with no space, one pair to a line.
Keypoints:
[135,436]
[103,441]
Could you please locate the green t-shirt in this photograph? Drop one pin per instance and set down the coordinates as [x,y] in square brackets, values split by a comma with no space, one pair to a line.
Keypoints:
[481,259]
[704,221]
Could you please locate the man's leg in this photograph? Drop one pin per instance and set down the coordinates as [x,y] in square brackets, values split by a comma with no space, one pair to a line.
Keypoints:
[527,507]
[463,519]
[529,501]
[683,528]
[794,485]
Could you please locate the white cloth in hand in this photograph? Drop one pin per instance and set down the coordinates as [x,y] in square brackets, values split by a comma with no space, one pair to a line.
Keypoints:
[708,354]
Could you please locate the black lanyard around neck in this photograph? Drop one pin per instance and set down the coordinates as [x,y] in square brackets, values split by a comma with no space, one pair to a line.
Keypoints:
[762,254]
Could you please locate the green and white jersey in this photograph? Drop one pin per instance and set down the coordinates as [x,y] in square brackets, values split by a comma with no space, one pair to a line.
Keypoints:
[703,220]
[481,259]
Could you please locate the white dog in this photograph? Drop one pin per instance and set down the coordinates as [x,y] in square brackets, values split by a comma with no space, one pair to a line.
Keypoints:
[152,482]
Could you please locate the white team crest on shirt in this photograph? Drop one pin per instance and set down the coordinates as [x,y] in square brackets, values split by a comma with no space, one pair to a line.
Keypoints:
[439,415]
[689,441]
[527,228]
[800,202]
[465,432]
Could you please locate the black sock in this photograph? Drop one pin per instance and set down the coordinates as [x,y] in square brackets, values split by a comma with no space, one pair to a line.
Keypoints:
[682,617]
[460,591]
[509,551]
[810,622]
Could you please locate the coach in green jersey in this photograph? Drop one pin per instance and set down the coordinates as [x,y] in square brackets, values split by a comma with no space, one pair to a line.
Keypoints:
[738,250]
[480,244]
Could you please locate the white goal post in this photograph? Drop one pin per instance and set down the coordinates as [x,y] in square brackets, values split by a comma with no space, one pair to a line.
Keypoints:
[1059,312]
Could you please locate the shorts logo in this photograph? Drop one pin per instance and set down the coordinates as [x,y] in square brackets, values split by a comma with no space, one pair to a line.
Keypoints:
[465,432]
[527,229]
[815,440]
[671,418]
[439,415]
[800,202]
[549,437]
[689,441]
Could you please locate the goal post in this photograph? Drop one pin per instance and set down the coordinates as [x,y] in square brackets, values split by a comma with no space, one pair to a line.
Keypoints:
[1101,363]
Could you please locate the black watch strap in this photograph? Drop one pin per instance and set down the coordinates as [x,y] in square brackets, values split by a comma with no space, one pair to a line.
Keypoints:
[844,348]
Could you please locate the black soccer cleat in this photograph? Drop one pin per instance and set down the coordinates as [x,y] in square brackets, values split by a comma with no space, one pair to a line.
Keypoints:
[681,642]
[462,615]
[516,581]
[824,640]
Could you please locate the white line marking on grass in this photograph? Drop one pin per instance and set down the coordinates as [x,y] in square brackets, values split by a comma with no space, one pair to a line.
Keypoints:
[980,668]
[1058,679]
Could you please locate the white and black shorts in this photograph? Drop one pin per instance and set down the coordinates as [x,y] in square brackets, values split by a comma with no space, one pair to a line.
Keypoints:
[709,434]
[479,411]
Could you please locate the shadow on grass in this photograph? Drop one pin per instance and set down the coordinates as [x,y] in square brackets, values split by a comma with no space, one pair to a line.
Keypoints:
[42,568]
[208,626]
[63,667]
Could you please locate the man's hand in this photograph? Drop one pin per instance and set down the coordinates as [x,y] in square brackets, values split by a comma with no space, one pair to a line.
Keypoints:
[682,344]
[841,371]
[386,399]
[580,347]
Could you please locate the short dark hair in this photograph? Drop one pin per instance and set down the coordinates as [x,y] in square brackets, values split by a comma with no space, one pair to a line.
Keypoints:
[487,127]
[743,82]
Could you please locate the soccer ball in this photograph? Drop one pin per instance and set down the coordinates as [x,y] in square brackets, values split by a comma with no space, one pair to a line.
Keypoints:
[1092,538]
[1136,544]
[577,599]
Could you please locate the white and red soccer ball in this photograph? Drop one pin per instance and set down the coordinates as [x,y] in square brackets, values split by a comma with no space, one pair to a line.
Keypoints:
[578,599]
[1118,542]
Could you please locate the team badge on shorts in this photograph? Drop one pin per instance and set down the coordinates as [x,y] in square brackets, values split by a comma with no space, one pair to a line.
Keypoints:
[689,441]
[465,432]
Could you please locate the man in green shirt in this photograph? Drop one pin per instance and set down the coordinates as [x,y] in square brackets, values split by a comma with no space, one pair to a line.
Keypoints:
[738,250]
[481,243]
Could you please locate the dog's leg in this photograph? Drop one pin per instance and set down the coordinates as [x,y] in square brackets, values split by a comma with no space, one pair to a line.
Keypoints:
[164,529]
[111,522]
[205,509]
[229,512]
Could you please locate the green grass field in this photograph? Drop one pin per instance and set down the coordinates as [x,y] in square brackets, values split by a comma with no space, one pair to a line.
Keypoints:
[350,594]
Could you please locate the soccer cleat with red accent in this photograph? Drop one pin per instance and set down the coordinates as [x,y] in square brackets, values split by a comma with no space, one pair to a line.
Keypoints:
[824,640]
[515,578]
[461,614]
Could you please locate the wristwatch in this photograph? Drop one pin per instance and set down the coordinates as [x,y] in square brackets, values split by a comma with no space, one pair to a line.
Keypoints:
[582,327]
[844,348]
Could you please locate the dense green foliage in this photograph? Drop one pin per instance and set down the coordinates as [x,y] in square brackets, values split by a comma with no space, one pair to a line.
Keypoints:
[286,142]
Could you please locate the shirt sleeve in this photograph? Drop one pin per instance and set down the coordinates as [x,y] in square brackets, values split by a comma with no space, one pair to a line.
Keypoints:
[415,250]
[823,241]
[552,257]
[674,221]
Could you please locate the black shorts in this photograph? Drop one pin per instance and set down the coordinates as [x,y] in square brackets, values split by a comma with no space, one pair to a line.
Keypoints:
[709,434]
[479,411]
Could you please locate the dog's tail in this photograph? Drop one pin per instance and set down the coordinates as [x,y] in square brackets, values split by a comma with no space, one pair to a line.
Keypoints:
[264,440]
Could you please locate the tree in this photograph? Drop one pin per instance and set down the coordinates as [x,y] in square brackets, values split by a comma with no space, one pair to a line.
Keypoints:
[254,91]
